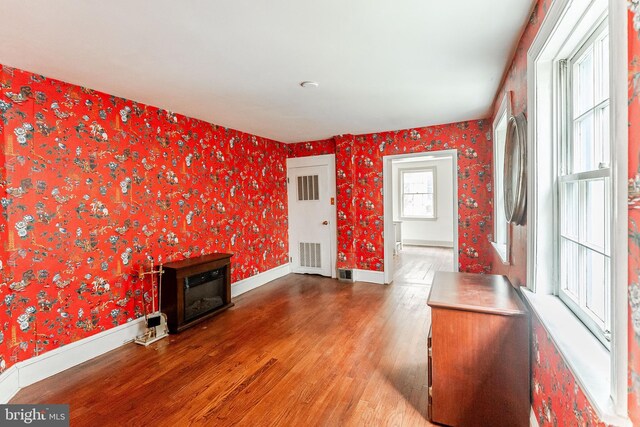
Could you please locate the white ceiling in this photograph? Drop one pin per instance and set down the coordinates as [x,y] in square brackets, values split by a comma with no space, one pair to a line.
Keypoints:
[381,64]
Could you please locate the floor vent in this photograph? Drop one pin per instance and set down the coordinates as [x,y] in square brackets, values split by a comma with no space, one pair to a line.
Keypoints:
[345,275]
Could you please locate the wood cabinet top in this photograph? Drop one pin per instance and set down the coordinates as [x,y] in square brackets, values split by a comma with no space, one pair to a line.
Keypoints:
[487,293]
[190,262]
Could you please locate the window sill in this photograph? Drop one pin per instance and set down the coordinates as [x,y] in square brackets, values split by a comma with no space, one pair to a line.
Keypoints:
[502,252]
[584,355]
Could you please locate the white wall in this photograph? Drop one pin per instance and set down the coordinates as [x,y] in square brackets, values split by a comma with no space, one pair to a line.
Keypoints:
[438,232]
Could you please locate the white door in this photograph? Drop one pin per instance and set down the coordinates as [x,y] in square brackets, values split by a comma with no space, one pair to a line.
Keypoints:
[309,220]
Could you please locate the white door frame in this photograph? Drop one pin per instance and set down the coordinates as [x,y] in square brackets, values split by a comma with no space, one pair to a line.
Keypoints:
[322,160]
[387,188]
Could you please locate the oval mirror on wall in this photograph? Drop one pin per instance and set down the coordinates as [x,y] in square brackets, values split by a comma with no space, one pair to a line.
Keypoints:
[515,170]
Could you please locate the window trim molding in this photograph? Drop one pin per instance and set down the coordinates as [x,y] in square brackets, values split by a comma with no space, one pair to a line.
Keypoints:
[434,173]
[618,72]
[540,212]
[504,251]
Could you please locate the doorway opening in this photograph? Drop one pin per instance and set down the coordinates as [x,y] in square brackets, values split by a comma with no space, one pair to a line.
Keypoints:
[420,215]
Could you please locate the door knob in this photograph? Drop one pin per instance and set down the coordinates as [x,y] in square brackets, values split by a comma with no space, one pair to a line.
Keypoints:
[325,222]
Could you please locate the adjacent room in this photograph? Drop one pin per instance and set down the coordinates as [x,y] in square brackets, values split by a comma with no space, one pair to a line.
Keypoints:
[424,215]
[328,213]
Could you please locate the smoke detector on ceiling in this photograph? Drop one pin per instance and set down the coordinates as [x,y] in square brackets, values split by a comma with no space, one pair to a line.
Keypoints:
[309,84]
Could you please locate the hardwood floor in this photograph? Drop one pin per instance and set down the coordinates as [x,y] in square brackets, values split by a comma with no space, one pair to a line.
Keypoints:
[301,350]
[416,265]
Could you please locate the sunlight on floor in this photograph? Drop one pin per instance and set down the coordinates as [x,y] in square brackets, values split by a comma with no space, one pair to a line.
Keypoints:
[416,265]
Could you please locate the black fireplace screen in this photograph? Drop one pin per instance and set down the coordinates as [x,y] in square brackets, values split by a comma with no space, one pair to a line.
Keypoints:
[203,293]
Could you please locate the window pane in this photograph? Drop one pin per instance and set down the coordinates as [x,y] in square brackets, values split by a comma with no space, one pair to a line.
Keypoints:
[583,146]
[428,180]
[408,182]
[409,205]
[417,182]
[418,205]
[428,204]
[596,212]
[570,209]
[583,83]
[417,187]
[603,80]
[500,221]
[596,277]
[569,267]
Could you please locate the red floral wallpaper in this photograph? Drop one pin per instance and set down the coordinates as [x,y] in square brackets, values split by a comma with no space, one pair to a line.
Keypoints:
[359,189]
[557,398]
[95,185]
[312,148]
[346,208]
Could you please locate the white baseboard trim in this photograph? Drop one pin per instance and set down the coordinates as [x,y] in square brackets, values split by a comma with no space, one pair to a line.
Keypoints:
[533,421]
[436,243]
[368,276]
[30,371]
[245,285]
[9,384]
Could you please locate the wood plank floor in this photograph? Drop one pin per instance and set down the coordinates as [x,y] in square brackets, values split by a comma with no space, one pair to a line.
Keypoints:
[416,265]
[301,350]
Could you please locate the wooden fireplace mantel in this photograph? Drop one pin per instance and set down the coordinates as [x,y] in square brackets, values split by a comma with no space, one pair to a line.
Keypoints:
[173,284]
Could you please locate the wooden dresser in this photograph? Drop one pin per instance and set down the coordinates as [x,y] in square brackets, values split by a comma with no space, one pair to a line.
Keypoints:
[478,352]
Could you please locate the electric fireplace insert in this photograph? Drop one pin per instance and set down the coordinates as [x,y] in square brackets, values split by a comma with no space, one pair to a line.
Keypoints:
[195,289]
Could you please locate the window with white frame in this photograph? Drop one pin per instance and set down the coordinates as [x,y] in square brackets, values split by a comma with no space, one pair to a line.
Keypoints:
[418,193]
[583,183]
[501,226]
[577,247]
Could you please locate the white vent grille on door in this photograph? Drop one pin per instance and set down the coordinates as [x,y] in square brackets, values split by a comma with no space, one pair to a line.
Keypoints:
[310,255]
[308,188]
